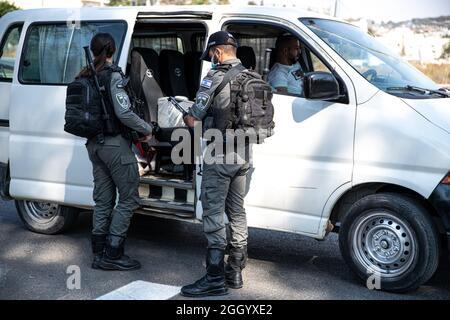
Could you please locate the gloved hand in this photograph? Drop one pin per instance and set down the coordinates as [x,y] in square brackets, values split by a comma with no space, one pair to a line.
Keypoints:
[156,128]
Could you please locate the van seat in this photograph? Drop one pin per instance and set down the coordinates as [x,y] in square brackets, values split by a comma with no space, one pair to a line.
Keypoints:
[144,76]
[173,73]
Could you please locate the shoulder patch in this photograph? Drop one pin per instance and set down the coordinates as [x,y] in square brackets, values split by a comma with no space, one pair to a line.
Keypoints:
[206,83]
[202,100]
[123,101]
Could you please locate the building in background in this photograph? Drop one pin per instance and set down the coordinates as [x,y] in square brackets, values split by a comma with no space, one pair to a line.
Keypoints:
[422,41]
[426,47]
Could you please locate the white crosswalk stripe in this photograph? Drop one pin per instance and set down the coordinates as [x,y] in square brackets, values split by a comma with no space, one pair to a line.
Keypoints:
[142,290]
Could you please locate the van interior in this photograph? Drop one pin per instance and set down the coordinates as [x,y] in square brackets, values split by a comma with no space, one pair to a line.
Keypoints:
[164,60]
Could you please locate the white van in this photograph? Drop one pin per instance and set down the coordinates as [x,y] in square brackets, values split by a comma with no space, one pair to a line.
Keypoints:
[364,151]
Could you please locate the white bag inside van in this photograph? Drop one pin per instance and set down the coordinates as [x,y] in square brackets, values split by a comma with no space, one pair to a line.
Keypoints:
[169,116]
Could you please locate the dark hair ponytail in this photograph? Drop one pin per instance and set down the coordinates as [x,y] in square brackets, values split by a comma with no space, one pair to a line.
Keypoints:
[103,47]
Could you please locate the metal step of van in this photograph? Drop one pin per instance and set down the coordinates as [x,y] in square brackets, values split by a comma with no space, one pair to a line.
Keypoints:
[166,182]
[167,194]
[180,209]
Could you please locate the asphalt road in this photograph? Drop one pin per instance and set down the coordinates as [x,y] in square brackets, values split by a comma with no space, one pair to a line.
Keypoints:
[281,265]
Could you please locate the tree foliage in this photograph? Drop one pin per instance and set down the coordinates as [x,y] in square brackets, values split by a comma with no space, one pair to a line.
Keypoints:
[446,52]
[114,3]
[6,7]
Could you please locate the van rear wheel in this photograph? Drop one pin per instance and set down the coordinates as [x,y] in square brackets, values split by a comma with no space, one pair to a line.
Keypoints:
[390,240]
[45,217]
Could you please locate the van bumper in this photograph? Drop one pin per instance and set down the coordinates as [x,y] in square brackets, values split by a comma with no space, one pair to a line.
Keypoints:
[440,200]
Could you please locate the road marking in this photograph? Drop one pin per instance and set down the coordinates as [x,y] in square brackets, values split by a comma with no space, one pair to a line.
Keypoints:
[142,290]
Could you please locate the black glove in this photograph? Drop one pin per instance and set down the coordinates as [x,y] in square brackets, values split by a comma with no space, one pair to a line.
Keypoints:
[156,128]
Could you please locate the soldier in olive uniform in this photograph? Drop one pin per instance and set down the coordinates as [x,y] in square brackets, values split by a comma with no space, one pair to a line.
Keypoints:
[223,185]
[114,164]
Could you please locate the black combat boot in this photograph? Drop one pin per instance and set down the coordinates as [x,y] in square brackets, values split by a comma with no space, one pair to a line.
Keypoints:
[237,260]
[98,242]
[213,283]
[114,257]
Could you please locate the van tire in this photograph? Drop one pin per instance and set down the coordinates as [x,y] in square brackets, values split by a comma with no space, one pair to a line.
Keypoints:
[46,218]
[392,235]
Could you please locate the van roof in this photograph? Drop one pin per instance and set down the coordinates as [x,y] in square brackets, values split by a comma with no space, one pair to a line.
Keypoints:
[284,13]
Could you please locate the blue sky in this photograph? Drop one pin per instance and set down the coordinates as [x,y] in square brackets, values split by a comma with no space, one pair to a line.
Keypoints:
[395,10]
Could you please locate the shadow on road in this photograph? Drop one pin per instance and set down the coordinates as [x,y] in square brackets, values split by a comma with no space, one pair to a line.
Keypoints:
[281,265]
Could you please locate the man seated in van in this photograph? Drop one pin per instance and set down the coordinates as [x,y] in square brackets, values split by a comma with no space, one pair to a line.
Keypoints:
[286,75]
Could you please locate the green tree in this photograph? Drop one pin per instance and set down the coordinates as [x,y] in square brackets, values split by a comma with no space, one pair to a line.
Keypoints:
[115,3]
[6,7]
[446,52]
[200,2]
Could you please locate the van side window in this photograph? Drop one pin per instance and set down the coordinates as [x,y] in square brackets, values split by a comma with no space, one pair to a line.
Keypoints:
[198,42]
[159,43]
[289,60]
[53,53]
[8,52]
[259,45]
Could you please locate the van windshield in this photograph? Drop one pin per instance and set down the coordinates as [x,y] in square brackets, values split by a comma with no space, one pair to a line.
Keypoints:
[375,62]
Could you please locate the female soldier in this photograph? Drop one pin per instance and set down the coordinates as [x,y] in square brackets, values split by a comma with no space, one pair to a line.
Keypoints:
[114,164]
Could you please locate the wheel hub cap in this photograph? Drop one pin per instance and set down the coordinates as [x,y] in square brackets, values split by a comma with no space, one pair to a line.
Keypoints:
[41,211]
[383,243]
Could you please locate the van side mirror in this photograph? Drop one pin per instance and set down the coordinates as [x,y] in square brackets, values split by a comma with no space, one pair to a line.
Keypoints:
[320,85]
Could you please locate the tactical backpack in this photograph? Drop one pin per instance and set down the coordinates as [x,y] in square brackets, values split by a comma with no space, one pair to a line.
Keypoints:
[251,109]
[84,114]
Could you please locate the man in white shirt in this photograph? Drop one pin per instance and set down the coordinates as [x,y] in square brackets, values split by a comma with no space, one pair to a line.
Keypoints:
[286,75]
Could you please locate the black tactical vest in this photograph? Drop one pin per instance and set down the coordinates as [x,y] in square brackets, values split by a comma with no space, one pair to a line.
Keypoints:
[219,117]
[104,79]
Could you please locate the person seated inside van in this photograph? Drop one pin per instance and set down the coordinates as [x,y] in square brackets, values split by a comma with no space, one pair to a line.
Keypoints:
[286,75]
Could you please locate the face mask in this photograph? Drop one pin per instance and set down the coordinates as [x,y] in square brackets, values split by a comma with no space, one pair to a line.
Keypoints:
[214,62]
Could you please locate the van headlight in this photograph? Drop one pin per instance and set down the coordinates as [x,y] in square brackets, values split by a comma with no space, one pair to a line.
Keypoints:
[446,180]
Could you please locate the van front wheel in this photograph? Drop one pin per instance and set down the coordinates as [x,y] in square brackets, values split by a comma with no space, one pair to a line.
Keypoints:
[390,242]
[45,217]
